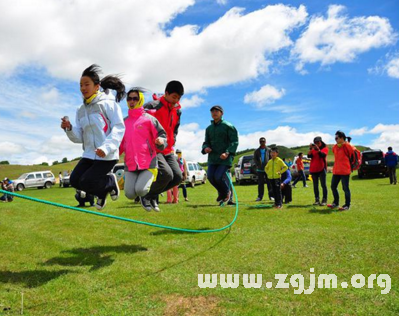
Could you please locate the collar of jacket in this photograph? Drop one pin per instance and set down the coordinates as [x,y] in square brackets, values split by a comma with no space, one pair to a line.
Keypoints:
[213,122]
[169,105]
[136,112]
[93,99]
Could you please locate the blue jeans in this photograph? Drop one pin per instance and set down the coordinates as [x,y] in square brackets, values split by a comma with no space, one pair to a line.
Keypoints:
[345,186]
[217,177]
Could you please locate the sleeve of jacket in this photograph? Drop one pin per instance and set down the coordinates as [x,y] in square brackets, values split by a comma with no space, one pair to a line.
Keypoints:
[176,130]
[206,143]
[76,133]
[233,137]
[324,152]
[117,125]
[289,177]
[158,131]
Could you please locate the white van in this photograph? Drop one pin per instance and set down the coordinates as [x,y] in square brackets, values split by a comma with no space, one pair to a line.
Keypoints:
[37,179]
[195,173]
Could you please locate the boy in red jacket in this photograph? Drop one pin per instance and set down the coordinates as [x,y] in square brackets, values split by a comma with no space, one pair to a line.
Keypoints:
[167,111]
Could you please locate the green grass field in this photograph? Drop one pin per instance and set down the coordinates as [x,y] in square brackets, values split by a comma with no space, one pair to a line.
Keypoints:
[71,263]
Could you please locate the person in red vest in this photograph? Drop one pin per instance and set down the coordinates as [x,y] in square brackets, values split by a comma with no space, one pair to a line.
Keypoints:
[167,111]
[318,152]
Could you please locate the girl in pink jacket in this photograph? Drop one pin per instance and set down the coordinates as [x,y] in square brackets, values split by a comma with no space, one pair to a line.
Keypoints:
[143,134]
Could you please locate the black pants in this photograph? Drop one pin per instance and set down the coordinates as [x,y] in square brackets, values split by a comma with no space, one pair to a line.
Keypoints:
[262,179]
[286,193]
[322,175]
[89,198]
[345,186]
[276,187]
[301,175]
[169,175]
[392,174]
[92,176]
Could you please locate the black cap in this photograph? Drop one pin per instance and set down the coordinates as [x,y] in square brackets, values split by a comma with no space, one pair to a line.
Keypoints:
[317,139]
[217,107]
[178,151]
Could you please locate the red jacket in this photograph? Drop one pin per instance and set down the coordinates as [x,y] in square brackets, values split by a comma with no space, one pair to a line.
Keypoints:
[169,117]
[342,164]
[319,160]
[299,164]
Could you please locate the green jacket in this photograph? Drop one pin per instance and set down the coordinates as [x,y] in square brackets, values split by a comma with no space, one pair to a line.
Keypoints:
[275,168]
[221,138]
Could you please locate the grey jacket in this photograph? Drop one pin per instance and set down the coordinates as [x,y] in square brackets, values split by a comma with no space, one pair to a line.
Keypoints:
[258,158]
[99,124]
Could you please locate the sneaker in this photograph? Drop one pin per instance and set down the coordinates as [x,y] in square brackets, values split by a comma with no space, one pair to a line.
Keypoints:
[323,203]
[231,203]
[219,198]
[344,208]
[100,204]
[145,203]
[278,207]
[82,194]
[316,202]
[114,193]
[227,198]
[258,199]
[271,199]
[154,205]
[333,205]
[306,186]
[186,199]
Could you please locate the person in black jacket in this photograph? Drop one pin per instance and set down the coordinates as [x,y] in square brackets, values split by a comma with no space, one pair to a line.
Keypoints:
[261,158]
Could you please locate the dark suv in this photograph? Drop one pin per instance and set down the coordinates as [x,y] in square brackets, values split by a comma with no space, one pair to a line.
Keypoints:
[373,163]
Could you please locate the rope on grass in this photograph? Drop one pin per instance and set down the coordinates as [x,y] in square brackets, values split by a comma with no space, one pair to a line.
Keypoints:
[187,230]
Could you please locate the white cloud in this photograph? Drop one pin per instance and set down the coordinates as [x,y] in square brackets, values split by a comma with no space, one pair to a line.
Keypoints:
[221,2]
[8,148]
[337,38]
[193,102]
[51,95]
[388,136]
[266,95]
[359,131]
[393,68]
[189,141]
[236,47]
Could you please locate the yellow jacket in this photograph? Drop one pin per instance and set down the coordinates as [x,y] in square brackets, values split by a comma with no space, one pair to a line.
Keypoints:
[275,167]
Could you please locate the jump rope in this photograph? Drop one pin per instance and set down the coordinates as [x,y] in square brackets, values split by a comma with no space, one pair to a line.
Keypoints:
[187,230]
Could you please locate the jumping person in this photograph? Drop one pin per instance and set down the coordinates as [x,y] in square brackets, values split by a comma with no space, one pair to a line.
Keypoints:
[221,142]
[342,150]
[99,127]
[318,152]
[167,111]
[143,136]
[261,158]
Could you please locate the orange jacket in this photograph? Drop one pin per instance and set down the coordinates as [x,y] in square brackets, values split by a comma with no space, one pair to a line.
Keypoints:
[342,164]
[299,164]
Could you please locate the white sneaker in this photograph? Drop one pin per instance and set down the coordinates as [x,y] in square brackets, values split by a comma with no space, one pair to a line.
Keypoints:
[114,193]
[100,204]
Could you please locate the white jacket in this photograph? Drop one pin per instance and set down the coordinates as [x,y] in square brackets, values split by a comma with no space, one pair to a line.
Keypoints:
[99,124]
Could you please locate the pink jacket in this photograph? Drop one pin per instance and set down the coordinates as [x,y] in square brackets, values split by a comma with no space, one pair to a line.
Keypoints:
[138,143]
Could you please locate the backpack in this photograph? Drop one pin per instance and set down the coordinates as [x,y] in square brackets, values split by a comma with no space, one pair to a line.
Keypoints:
[355,160]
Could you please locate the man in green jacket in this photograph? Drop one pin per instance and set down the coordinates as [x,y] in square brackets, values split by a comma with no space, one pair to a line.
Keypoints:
[221,142]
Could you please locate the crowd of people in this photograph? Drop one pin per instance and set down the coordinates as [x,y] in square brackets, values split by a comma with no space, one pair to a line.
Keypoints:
[147,137]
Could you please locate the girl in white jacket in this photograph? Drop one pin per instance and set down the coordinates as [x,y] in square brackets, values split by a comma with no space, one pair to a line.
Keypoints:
[99,127]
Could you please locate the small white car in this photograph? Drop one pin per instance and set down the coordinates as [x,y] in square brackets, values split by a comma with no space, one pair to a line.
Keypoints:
[306,165]
[195,173]
[37,179]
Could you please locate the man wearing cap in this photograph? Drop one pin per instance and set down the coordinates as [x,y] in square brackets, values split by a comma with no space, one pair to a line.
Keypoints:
[221,142]
[318,152]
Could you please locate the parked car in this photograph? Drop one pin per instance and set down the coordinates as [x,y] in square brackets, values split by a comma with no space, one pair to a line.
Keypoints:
[64,180]
[245,170]
[195,173]
[306,165]
[37,179]
[373,163]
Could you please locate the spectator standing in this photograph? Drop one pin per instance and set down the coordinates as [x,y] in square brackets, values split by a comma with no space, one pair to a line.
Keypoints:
[261,158]
[391,160]
[318,152]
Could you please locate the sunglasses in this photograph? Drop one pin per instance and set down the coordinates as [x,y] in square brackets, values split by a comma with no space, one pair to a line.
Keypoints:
[132,98]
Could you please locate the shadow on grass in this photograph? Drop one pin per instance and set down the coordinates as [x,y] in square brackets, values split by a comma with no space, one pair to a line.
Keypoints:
[31,279]
[202,205]
[300,206]
[322,211]
[96,257]
[174,232]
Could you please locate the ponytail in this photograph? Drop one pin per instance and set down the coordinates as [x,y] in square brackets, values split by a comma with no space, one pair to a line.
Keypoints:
[114,83]
[108,82]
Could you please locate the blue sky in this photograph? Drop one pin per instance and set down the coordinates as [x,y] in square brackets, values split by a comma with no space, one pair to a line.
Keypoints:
[287,70]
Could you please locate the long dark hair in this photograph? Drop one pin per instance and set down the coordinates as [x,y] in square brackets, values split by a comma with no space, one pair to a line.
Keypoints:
[108,82]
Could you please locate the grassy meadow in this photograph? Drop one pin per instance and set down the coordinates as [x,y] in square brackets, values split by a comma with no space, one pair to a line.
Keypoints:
[70,263]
